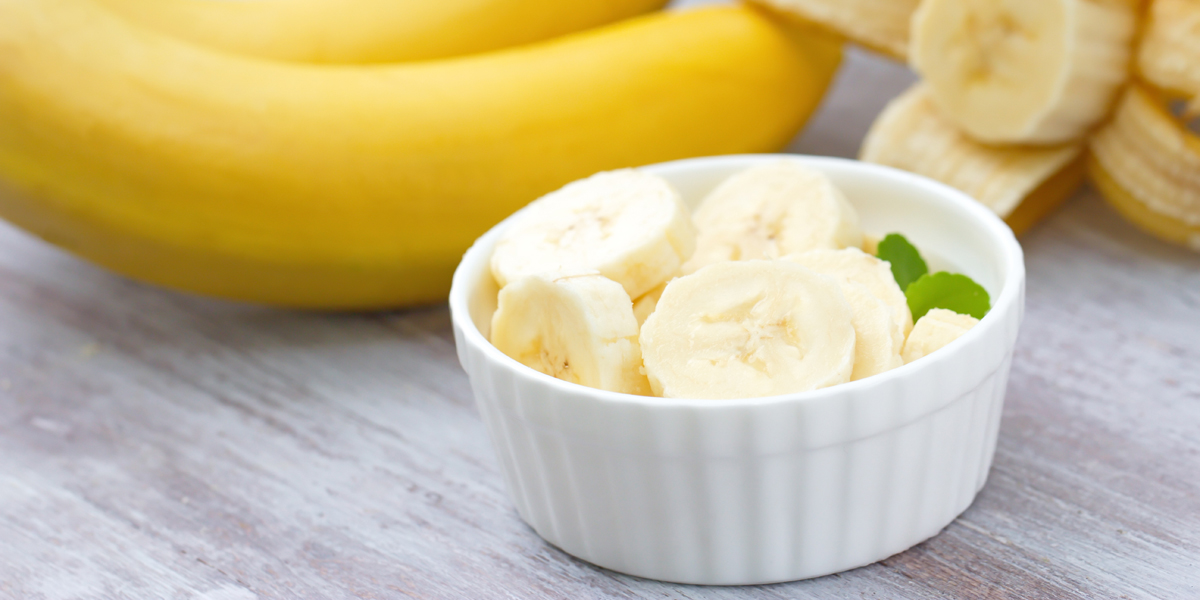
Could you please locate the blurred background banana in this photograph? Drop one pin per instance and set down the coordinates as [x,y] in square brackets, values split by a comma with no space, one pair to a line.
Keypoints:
[370,31]
[358,186]
[323,154]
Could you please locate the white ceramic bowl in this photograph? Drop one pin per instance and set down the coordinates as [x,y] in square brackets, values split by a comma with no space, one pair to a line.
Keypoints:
[766,489]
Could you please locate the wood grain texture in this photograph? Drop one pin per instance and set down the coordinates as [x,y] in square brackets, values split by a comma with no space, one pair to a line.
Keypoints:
[154,445]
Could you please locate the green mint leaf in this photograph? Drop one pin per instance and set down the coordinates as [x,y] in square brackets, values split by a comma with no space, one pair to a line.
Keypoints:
[950,291]
[907,264]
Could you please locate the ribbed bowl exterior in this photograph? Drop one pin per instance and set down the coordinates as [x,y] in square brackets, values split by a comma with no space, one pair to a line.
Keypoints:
[746,492]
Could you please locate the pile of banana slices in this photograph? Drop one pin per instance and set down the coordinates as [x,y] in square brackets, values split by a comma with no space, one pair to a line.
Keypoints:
[1018,100]
[611,282]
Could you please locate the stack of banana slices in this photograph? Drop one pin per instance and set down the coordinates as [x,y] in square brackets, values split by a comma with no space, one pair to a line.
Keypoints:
[612,283]
[1017,100]
[1146,160]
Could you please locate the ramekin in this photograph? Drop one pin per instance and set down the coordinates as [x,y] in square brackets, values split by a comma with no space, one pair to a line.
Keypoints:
[771,489]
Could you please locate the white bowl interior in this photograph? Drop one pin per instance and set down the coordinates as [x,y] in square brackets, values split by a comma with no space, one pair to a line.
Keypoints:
[953,232]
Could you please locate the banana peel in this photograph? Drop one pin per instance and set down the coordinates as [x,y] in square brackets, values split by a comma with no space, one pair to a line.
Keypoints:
[1020,184]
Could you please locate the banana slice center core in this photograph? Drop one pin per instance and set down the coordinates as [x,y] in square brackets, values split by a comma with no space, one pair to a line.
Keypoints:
[590,225]
[556,363]
[759,338]
[986,42]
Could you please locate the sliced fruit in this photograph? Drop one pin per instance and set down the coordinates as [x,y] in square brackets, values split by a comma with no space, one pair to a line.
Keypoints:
[881,25]
[371,31]
[859,267]
[627,225]
[644,305]
[1023,71]
[877,340]
[748,329]
[1155,223]
[769,211]
[878,334]
[933,331]
[578,328]
[1146,163]
[1169,54]
[1020,184]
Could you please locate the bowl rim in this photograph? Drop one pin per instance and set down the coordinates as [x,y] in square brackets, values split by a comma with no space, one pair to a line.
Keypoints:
[999,232]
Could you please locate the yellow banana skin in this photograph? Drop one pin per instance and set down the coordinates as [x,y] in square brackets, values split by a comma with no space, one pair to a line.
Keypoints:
[357,187]
[372,31]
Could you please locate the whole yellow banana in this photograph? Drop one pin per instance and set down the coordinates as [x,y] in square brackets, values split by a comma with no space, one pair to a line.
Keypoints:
[357,186]
[370,31]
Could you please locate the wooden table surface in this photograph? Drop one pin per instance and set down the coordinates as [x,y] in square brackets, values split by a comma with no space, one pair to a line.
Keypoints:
[156,445]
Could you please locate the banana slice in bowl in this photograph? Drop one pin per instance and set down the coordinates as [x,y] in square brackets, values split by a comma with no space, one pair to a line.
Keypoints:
[629,226]
[877,339]
[769,211]
[645,304]
[854,265]
[934,331]
[748,329]
[579,328]
[881,317]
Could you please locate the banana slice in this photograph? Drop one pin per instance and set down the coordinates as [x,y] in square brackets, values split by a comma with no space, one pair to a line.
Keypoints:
[643,306]
[769,211]
[881,25]
[1146,163]
[578,328]
[1023,71]
[1169,55]
[1020,184]
[877,340]
[936,329]
[629,226]
[748,329]
[854,265]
